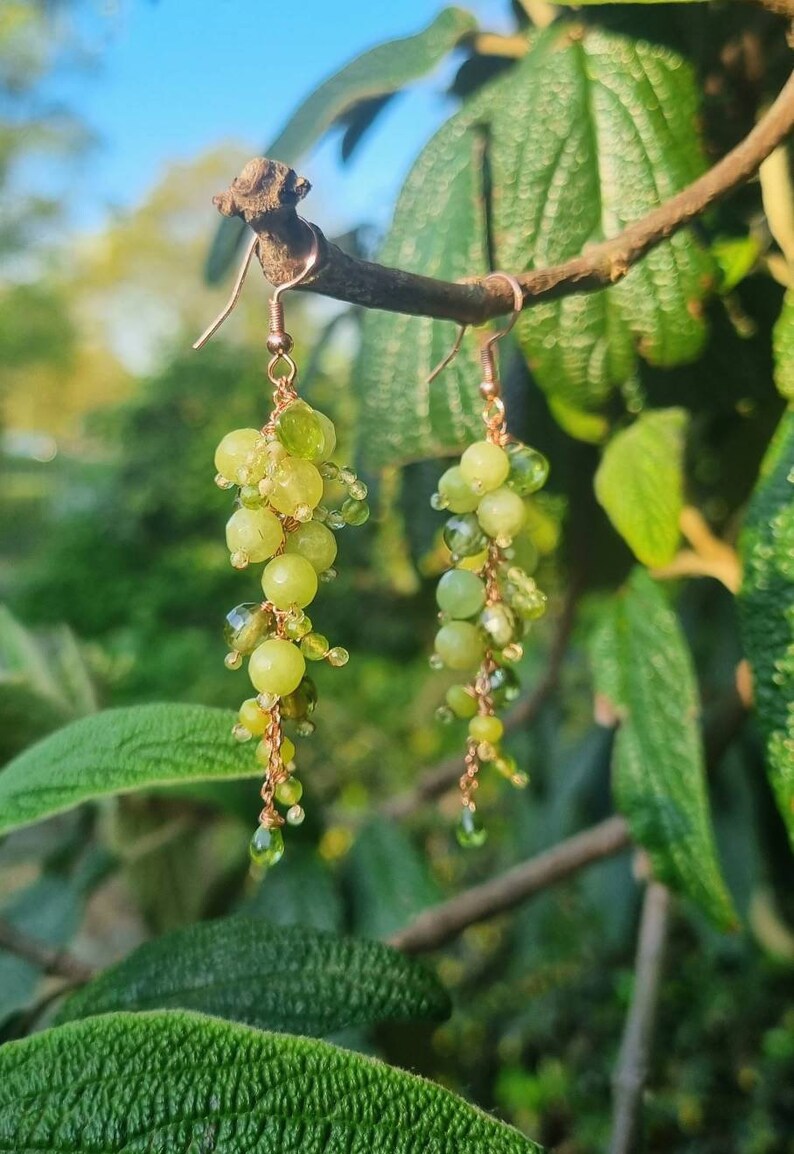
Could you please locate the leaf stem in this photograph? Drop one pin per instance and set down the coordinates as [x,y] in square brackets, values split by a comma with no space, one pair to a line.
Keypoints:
[50,961]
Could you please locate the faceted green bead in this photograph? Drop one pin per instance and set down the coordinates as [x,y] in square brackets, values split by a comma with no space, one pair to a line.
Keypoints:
[463,535]
[461,702]
[529,469]
[500,623]
[470,833]
[245,627]
[354,512]
[338,656]
[298,705]
[266,846]
[289,792]
[301,432]
[314,646]
[460,645]
[460,594]
[456,494]
[505,686]
[314,542]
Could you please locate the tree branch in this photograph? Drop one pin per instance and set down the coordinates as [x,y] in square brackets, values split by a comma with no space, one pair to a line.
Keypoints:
[443,776]
[267,193]
[631,1071]
[44,958]
[439,924]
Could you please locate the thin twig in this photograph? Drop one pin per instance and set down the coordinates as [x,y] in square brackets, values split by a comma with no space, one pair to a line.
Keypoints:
[44,958]
[633,1062]
[439,924]
[443,776]
[267,193]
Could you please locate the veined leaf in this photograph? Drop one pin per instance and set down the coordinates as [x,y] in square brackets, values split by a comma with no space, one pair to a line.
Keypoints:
[593,130]
[586,133]
[438,230]
[378,73]
[640,483]
[641,663]
[783,338]
[183,1083]
[390,880]
[118,751]
[227,967]
[766,603]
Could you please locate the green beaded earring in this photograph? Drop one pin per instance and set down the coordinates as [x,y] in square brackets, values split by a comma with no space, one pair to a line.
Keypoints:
[487,599]
[279,473]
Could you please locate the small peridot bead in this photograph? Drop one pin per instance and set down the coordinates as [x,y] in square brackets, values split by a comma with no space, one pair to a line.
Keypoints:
[470,833]
[289,792]
[314,646]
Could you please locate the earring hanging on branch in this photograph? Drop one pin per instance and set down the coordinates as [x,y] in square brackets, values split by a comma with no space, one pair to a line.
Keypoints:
[487,599]
[280,473]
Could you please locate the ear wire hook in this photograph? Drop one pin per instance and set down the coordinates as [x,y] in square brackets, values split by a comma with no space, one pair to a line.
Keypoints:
[237,288]
[487,345]
[450,357]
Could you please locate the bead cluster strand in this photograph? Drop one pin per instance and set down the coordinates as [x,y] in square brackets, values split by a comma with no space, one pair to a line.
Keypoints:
[280,473]
[487,600]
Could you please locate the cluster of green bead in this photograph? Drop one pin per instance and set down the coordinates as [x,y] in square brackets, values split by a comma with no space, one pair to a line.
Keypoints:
[487,600]
[280,520]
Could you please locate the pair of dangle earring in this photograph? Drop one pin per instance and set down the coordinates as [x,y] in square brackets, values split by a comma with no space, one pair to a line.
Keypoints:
[282,475]
[487,599]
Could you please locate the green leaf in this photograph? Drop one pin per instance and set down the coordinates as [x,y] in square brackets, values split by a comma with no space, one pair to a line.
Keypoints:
[118,751]
[438,230]
[593,130]
[304,894]
[640,483]
[736,257]
[766,605]
[783,343]
[642,664]
[183,1083]
[378,73]
[226,968]
[390,880]
[585,134]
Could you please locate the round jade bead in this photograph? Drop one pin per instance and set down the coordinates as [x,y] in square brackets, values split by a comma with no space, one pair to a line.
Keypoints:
[266,846]
[461,702]
[289,792]
[296,483]
[484,466]
[245,627]
[529,469]
[329,434]
[483,727]
[253,717]
[234,450]
[289,580]
[255,532]
[314,542]
[460,594]
[300,432]
[501,513]
[460,645]
[470,833]
[458,496]
[463,535]
[276,667]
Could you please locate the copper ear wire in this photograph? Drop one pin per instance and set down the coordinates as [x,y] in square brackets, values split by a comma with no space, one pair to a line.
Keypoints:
[486,348]
[276,306]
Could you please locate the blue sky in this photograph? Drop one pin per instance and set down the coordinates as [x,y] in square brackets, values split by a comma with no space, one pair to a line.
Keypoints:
[176,77]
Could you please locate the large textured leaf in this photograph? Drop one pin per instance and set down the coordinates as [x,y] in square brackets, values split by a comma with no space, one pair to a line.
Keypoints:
[640,483]
[183,1083]
[588,132]
[118,751]
[365,81]
[766,604]
[438,230]
[595,129]
[784,347]
[642,664]
[390,880]
[227,968]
